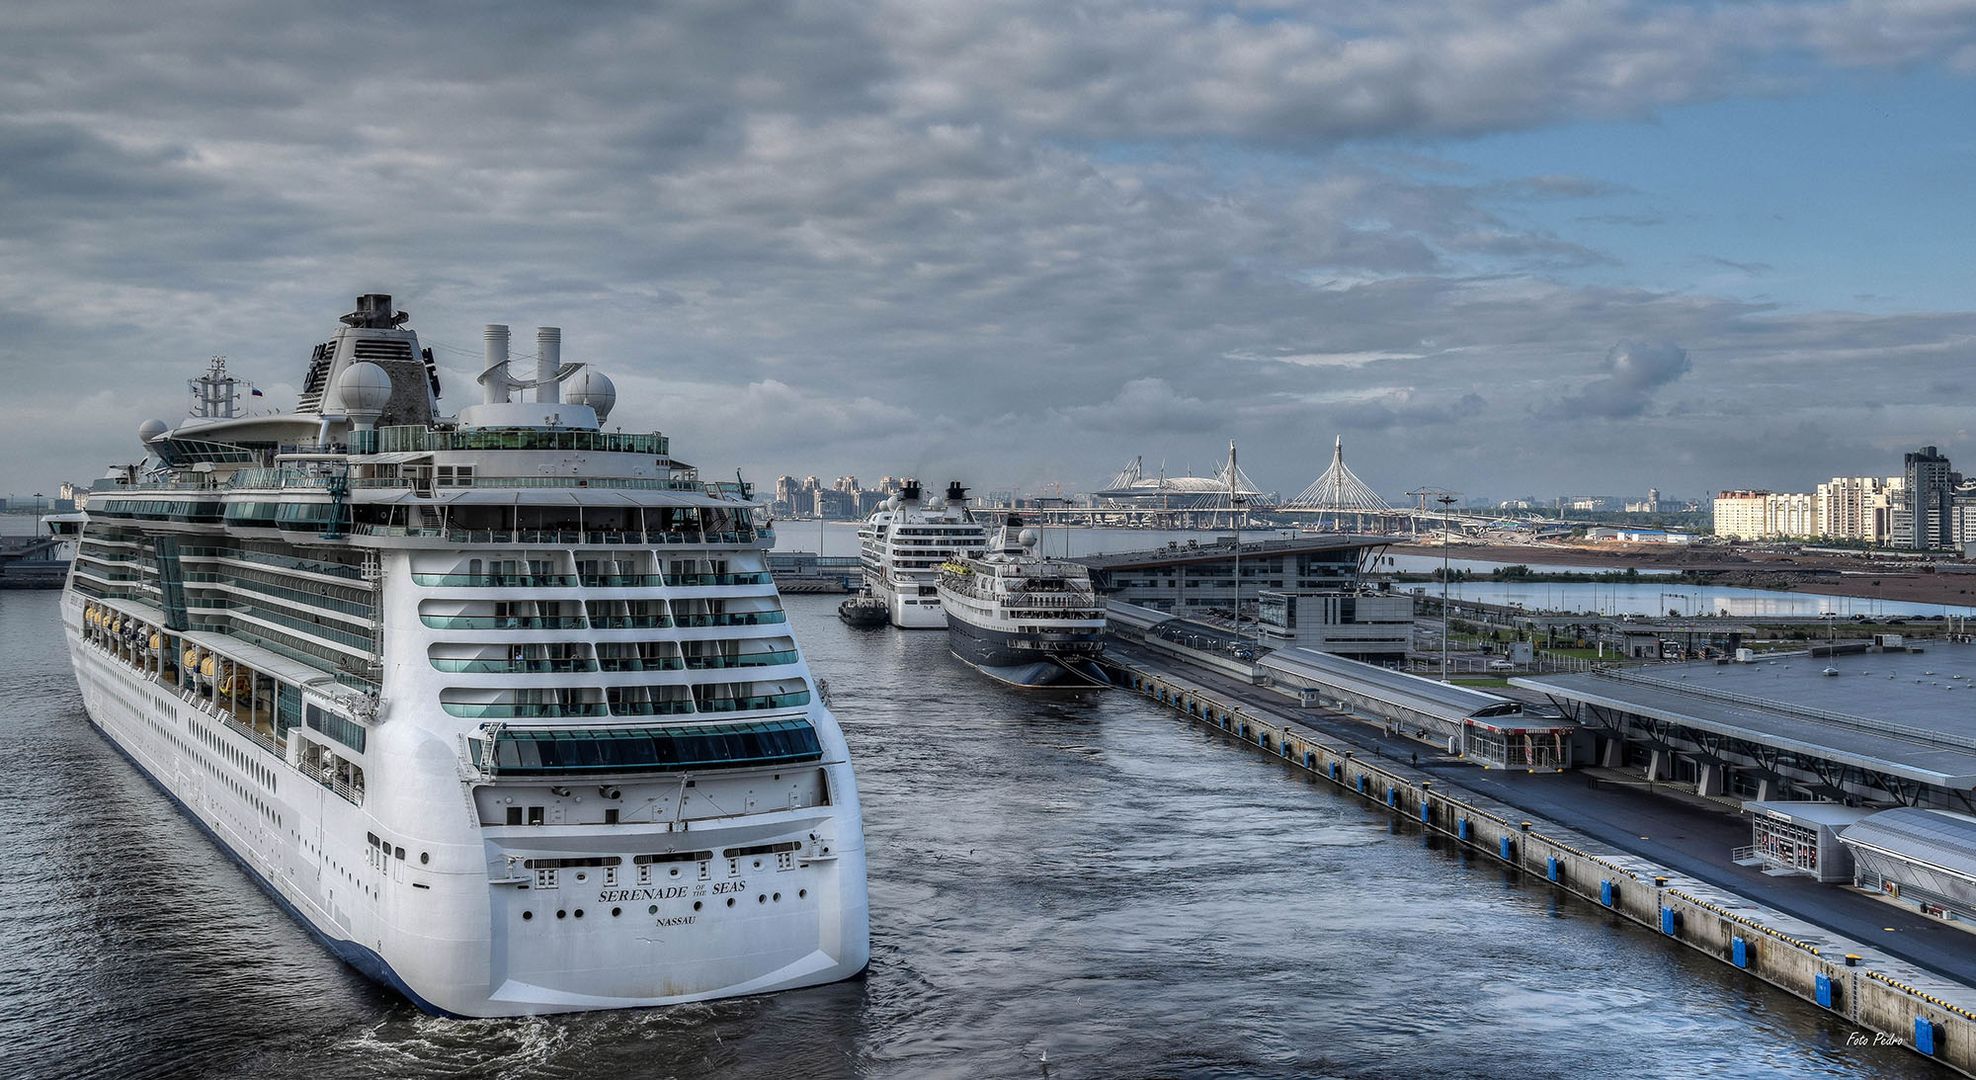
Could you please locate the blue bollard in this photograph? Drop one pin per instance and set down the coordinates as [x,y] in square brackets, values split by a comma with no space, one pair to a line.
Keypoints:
[1739,952]
[1426,811]
[1553,869]
[1822,987]
[1506,847]
[1461,828]
[1607,894]
[1670,921]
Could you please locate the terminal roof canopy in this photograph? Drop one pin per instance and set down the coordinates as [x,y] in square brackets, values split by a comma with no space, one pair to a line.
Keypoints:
[1911,715]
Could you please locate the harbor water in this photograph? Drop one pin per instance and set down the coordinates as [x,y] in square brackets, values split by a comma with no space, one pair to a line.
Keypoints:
[1092,880]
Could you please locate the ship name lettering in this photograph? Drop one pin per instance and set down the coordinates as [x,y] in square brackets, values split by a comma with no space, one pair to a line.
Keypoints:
[730,887]
[614,896]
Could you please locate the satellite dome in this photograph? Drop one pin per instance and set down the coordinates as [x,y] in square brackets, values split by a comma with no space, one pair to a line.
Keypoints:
[1028,537]
[151,429]
[892,503]
[593,388]
[364,387]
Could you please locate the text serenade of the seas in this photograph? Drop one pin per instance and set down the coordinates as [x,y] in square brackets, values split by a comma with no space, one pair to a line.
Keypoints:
[503,706]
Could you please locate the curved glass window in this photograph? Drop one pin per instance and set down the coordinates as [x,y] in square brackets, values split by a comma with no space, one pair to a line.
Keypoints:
[558,751]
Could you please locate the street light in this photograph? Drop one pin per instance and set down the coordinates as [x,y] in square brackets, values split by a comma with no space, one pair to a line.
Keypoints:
[1446,624]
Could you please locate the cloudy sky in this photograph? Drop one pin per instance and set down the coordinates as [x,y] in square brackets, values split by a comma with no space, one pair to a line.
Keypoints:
[1501,247]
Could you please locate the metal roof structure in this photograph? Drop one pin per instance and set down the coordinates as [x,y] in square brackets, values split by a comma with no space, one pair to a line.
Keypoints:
[1791,703]
[1933,838]
[1199,553]
[1439,700]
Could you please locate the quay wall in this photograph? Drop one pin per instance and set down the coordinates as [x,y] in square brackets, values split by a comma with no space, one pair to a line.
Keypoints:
[1922,1011]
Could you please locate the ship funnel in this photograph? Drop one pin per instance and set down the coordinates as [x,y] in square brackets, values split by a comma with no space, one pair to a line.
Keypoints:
[955,492]
[909,491]
[548,358]
[494,375]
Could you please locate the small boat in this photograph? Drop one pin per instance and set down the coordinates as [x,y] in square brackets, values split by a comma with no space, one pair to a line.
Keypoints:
[864,611]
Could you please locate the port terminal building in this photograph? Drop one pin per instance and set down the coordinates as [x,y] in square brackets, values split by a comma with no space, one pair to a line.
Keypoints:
[1873,747]
[1308,591]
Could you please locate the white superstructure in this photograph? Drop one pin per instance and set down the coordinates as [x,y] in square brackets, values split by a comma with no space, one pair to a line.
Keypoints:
[505,708]
[1022,618]
[902,545]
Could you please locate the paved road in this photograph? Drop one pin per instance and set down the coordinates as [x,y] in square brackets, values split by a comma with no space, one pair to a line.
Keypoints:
[1693,839]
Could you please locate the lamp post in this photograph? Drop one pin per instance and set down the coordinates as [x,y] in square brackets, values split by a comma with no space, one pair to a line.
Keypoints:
[1447,624]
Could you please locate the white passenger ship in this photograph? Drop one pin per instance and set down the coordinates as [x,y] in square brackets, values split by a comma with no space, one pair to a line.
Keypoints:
[902,545]
[1024,619]
[504,707]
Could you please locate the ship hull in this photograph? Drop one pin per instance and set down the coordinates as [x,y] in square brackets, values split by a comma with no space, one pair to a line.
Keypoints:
[458,944]
[1059,661]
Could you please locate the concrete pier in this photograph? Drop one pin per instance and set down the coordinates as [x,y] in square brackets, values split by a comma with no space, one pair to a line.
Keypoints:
[1928,1013]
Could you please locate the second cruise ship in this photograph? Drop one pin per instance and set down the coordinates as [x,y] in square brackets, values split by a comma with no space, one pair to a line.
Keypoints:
[903,544]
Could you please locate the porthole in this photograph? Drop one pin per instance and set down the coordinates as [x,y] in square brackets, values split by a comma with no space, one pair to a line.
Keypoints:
[579,913]
[758,864]
[527,915]
[675,871]
[778,898]
[425,857]
[696,905]
[730,901]
[653,910]
[581,876]
[802,894]
[615,912]
[761,898]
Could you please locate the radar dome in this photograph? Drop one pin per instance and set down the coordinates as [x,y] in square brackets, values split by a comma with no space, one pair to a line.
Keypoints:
[1028,537]
[364,387]
[593,388]
[151,429]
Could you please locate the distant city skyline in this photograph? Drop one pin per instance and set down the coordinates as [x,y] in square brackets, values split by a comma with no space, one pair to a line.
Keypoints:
[1515,248]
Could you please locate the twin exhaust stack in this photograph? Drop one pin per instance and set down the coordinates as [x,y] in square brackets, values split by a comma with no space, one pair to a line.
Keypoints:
[497,384]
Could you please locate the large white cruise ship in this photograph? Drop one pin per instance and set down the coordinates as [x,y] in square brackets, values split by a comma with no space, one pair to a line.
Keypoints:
[504,707]
[902,545]
[1024,619]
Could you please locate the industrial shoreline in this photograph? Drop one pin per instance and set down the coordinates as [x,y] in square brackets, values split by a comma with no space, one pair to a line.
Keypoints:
[1810,573]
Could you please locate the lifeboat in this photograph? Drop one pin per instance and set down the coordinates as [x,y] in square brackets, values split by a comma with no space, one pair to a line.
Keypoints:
[190,660]
[157,641]
[209,667]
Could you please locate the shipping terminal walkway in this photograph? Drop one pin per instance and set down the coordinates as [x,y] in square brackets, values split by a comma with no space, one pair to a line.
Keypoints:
[1675,831]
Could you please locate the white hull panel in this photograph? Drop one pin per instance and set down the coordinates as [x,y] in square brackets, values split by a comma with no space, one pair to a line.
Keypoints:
[449,934]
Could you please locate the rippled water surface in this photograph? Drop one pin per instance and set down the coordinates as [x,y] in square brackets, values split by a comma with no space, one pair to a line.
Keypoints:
[1092,880]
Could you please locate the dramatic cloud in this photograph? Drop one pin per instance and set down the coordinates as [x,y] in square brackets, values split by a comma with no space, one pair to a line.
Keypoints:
[1634,371]
[1023,240]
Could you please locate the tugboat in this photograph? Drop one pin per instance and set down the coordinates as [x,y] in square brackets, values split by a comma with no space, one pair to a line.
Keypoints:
[1023,619]
[864,611]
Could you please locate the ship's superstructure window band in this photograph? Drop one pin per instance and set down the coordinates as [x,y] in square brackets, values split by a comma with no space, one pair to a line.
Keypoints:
[555,751]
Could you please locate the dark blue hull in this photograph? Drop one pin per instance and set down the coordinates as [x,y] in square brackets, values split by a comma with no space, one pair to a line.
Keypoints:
[1053,661]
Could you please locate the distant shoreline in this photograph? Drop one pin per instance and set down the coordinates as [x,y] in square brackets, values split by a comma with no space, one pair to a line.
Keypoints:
[1827,574]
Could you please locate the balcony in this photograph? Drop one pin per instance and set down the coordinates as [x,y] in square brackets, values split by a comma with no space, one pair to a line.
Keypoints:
[742,660]
[514,667]
[503,622]
[629,622]
[755,701]
[731,618]
[497,581]
[755,578]
[522,710]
